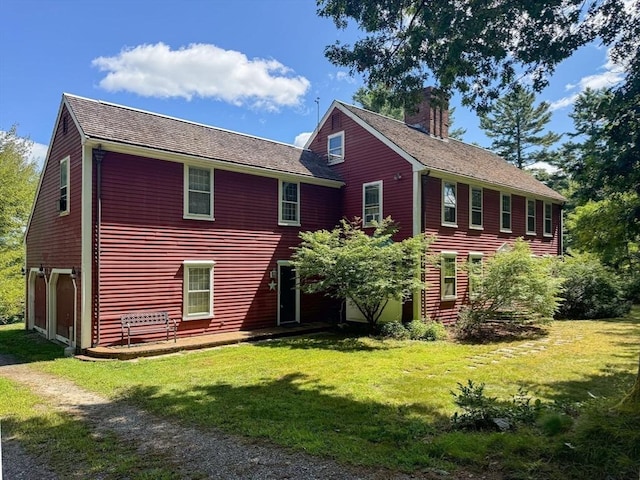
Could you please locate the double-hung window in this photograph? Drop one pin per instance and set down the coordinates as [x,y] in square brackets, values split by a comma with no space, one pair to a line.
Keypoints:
[335,148]
[449,205]
[197,289]
[198,192]
[289,209]
[63,202]
[475,274]
[371,203]
[475,207]
[531,216]
[505,212]
[448,280]
[548,223]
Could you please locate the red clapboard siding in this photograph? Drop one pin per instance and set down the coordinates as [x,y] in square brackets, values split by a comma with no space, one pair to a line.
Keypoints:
[52,240]
[367,159]
[145,240]
[464,240]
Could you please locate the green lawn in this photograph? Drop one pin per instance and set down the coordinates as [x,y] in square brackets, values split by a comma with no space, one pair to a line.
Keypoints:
[386,403]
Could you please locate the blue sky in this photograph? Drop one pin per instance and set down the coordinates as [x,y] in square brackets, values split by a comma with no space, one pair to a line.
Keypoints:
[252,66]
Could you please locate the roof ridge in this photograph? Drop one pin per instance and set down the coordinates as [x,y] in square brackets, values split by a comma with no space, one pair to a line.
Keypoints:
[182,120]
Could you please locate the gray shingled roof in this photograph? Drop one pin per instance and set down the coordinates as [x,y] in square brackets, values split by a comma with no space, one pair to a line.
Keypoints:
[452,156]
[115,123]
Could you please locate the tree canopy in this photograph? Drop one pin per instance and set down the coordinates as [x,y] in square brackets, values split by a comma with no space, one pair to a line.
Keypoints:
[18,177]
[516,127]
[407,42]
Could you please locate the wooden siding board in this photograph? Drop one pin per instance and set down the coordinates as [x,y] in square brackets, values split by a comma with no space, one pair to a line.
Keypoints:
[464,240]
[145,241]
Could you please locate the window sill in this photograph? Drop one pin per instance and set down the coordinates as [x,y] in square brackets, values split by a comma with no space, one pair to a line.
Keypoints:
[206,316]
[476,227]
[450,225]
[63,214]
[289,224]
[195,217]
[502,230]
[448,299]
[548,235]
[335,162]
[531,234]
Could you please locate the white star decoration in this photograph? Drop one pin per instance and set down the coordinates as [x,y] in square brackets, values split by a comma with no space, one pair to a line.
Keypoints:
[272,285]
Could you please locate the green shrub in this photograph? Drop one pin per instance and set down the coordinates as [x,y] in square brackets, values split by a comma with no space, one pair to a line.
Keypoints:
[590,290]
[394,330]
[417,329]
[435,331]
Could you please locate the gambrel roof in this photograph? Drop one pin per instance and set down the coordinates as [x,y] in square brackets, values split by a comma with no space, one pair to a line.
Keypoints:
[108,122]
[450,156]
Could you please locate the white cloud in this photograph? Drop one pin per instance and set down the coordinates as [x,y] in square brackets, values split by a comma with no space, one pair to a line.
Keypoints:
[301,139]
[342,76]
[38,154]
[202,70]
[611,75]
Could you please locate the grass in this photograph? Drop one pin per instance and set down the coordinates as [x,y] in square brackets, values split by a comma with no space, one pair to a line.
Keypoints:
[386,403]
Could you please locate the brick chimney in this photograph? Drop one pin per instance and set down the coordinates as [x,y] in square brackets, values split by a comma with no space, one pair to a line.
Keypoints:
[431,115]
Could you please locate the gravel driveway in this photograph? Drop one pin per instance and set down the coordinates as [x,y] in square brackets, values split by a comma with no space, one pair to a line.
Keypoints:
[198,453]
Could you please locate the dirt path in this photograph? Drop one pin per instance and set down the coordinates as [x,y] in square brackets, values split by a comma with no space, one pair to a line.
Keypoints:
[198,453]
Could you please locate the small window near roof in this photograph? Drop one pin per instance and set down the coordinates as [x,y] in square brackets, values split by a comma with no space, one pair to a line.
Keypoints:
[505,212]
[475,207]
[335,148]
[198,193]
[531,216]
[289,203]
[449,204]
[548,222]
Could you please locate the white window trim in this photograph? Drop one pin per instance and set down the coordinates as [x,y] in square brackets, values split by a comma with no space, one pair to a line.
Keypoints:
[67,161]
[444,255]
[502,228]
[455,189]
[334,159]
[195,216]
[526,212]
[364,187]
[282,221]
[471,225]
[544,219]
[474,256]
[185,288]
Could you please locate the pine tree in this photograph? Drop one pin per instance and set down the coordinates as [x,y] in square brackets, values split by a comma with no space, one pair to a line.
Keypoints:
[516,127]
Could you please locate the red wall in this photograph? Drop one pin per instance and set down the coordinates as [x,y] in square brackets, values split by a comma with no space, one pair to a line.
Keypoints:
[463,240]
[145,241]
[367,159]
[52,240]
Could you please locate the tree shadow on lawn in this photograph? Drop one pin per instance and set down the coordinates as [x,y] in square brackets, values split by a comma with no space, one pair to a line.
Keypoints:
[339,342]
[297,411]
[28,346]
[503,332]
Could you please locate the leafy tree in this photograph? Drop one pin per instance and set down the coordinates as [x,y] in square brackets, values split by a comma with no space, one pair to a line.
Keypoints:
[407,41]
[607,228]
[18,177]
[368,269]
[515,286]
[516,127]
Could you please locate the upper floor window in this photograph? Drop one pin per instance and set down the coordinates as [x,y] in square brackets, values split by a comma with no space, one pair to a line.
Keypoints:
[448,278]
[531,216]
[475,207]
[289,209]
[505,212]
[63,203]
[449,210]
[335,148]
[371,203]
[548,223]
[198,192]
[197,289]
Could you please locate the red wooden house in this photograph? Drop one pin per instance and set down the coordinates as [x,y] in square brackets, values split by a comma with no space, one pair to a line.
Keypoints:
[137,211]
